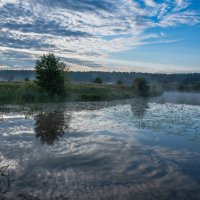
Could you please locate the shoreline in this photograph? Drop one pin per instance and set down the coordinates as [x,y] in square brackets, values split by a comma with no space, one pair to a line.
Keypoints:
[27,92]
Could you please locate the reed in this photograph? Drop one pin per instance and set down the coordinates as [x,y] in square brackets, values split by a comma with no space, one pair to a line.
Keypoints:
[20,93]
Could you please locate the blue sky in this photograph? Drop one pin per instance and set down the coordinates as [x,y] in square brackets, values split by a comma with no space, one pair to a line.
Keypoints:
[108,35]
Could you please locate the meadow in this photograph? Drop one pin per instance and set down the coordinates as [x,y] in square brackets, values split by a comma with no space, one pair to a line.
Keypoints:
[29,92]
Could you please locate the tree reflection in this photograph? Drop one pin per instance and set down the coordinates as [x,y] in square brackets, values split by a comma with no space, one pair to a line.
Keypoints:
[2,111]
[5,181]
[51,126]
[139,108]
[1,117]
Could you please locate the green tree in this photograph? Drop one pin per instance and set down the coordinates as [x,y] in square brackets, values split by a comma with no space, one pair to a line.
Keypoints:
[181,87]
[196,85]
[26,79]
[119,82]
[50,74]
[140,84]
[97,80]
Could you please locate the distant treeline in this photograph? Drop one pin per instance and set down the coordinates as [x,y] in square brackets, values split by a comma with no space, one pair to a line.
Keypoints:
[107,77]
[127,78]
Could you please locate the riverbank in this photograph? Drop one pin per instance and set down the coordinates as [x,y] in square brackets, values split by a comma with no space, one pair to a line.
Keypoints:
[28,92]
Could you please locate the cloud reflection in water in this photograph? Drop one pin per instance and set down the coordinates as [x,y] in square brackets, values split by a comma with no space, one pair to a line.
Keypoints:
[104,155]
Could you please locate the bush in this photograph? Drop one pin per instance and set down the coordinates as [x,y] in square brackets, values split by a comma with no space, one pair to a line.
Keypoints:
[196,86]
[91,97]
[50,74]
[97,80]
[141,86]
[181,87]
[119,82]
[26,79]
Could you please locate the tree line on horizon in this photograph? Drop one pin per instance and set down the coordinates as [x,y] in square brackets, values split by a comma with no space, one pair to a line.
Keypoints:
[52,79]
[106,77]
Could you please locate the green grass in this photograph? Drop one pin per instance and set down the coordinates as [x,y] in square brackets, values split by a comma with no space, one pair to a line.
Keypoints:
[20,93]
[98,92]
[29,92]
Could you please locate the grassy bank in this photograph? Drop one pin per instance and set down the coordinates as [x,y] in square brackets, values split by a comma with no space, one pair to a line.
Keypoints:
[20,93]
[98,92]
[28,92]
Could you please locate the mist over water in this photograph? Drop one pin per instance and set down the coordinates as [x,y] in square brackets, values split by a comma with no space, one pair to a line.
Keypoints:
[179,98]
[132,149]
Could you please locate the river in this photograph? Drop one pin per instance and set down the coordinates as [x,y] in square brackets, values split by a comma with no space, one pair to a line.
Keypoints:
[141,149]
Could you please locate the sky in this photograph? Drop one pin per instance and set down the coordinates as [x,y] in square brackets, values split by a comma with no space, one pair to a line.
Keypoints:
[161,36]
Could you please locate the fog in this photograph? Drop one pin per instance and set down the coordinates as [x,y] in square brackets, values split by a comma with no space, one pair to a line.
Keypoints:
[179,98]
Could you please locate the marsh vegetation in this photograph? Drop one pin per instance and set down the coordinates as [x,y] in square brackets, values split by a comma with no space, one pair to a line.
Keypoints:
[29,92]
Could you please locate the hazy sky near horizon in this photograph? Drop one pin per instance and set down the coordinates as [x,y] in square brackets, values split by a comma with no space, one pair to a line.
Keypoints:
[109,35]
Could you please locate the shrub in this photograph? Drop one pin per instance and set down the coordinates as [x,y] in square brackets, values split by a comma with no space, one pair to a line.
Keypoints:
[26,79]
[119,82]
[50,74]
[91,97]
[97,80]
[141,86]
[196,86]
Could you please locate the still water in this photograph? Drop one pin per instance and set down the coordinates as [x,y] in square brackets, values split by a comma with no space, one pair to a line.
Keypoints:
[134,149]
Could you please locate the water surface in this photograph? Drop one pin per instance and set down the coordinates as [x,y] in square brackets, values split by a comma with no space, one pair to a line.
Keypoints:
[132,149]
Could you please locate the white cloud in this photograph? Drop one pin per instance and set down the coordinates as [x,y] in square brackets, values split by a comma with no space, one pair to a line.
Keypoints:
[4,2]
[93,29]
[150,3]
[172,19]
